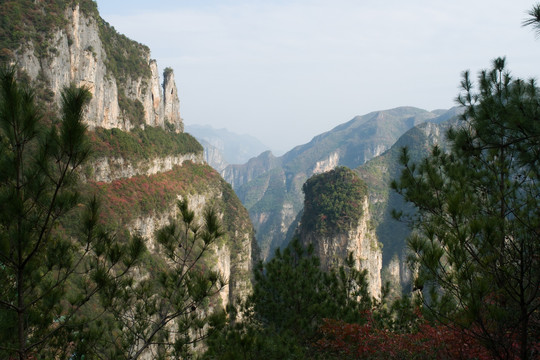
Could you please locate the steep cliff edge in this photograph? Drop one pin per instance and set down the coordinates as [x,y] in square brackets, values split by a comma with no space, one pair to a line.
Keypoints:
[146,203]
[336,220]
[141,162]
[80,48]
[213,156]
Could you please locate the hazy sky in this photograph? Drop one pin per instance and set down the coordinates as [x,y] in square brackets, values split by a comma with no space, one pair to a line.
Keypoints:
[285,71]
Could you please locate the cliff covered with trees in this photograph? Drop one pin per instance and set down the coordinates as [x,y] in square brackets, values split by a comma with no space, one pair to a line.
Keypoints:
[336,221]
[138,164]
[117,241]
[65,42]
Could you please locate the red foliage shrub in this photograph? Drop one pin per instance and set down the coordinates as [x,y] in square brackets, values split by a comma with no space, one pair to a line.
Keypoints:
[124,199]
[355,341]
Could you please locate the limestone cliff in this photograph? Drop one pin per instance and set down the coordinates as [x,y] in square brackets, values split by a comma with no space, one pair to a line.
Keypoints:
[86,51]
[202,187]
[360,240]
[327,164]
[107,169]
[336,220]
[142,162]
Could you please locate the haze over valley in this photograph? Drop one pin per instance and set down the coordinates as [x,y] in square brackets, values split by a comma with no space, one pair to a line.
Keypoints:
[269,180]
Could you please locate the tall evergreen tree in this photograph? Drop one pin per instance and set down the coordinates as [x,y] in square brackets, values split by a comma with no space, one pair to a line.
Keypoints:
[292,295]
[534,18]
[48,276]
[166,313]
[476,240]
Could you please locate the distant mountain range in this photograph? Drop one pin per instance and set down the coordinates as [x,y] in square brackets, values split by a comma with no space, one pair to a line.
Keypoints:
[223,147]
[378,174]
[271,187]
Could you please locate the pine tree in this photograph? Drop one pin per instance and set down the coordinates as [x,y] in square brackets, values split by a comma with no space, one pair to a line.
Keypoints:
[534,18]
[292,295]
[49,276]
[475,247]
[167,312]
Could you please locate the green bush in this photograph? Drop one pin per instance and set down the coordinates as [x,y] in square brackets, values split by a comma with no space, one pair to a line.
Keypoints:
[133,110]
[142,144]
[333,201]
[125,58]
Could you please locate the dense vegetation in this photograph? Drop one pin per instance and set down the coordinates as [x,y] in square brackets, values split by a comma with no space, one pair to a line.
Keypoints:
[25,21]
[142,144]
[74,283]
[476,245]
[146,195]
[334,200]
[299,311]
[132,109]
[292,295]
[22,21]
[49,279]
[125,58]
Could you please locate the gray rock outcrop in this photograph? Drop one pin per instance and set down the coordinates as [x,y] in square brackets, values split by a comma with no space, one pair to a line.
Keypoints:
[333,248]
[79,58]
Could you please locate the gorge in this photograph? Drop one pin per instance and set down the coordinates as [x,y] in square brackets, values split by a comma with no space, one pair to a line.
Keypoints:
[194,248]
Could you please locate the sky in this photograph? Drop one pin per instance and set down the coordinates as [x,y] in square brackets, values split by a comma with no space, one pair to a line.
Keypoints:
[287,70]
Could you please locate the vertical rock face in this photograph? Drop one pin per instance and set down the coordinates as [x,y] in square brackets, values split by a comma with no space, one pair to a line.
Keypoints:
[326,164]
[231,258]
[77,56]
[213,156]
[171,103]
[336,220]
[82,49]
[110,169]
[360,240]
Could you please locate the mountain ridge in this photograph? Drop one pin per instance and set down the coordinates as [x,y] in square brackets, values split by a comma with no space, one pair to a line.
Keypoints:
[273,195]
[378,174]
[224,147]
[142,162]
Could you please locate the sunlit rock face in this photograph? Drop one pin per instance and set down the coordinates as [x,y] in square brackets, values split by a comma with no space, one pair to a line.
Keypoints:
[78,55]
[79,58]
[109,169]
[360,240]
[336,220]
